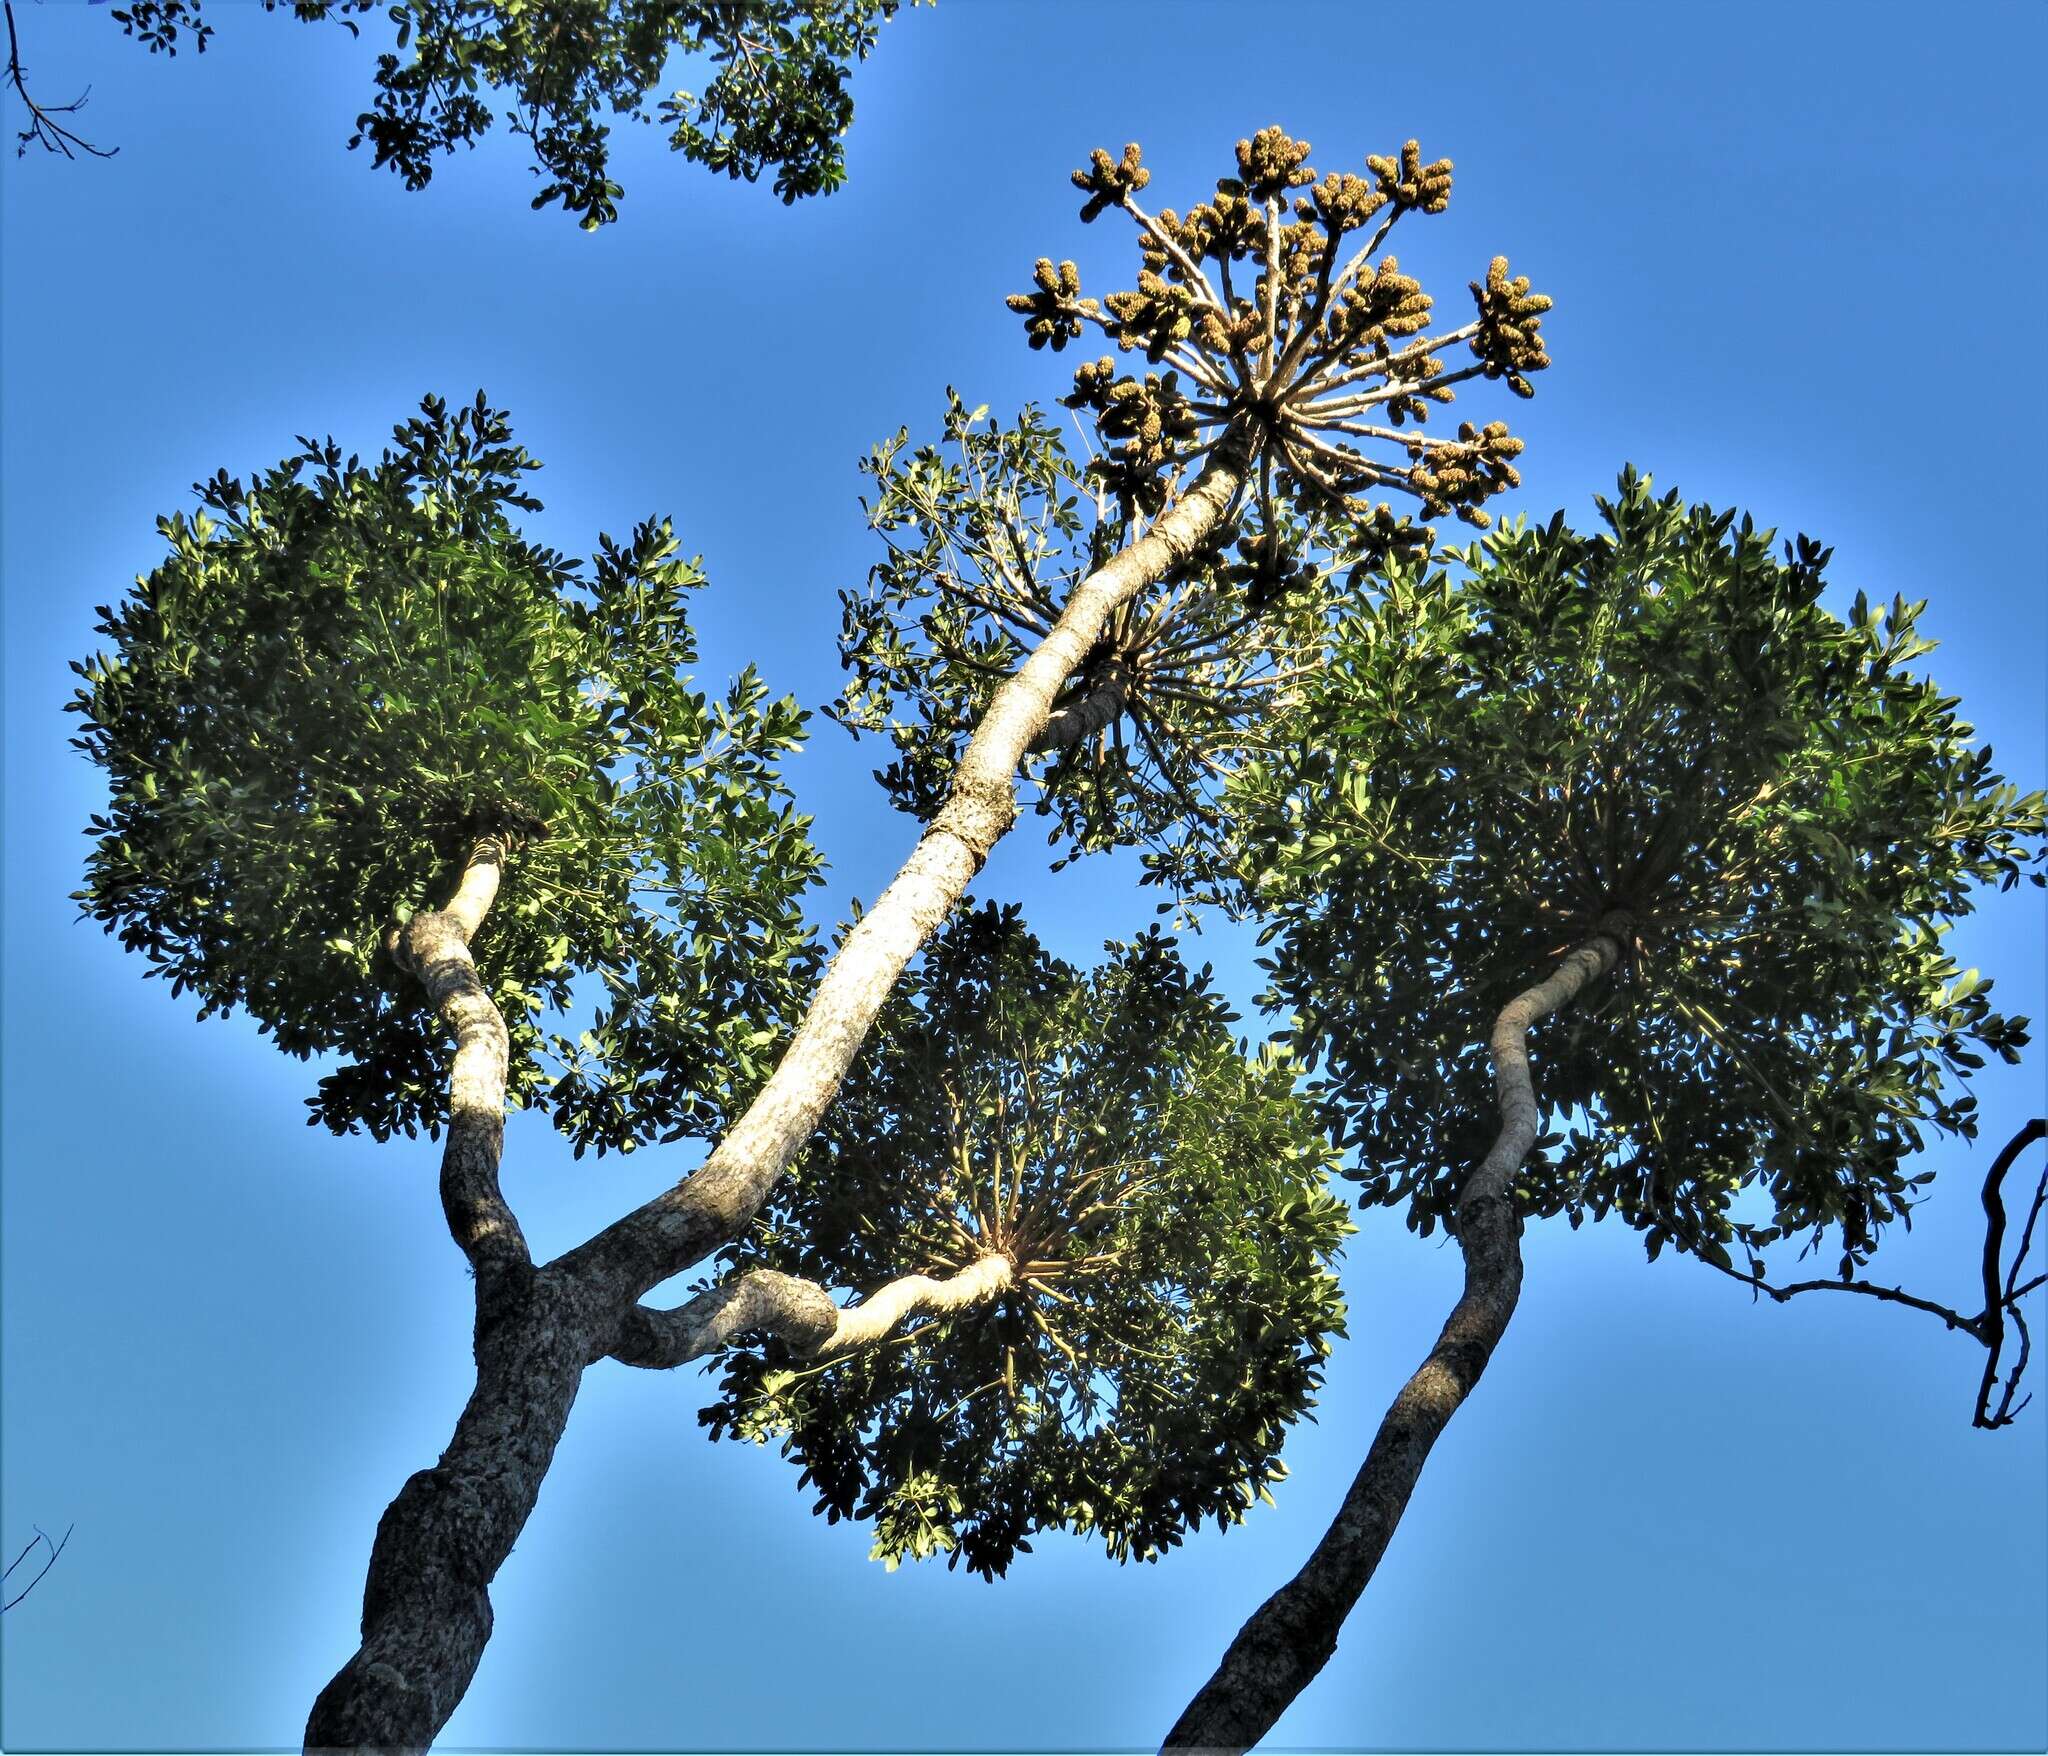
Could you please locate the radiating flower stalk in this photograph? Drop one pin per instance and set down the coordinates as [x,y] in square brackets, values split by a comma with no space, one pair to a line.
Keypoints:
[1292,347]
[1329,353]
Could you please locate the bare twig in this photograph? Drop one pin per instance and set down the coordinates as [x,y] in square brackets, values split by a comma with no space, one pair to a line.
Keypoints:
[2000,1300]
[43,128]
[55,1549]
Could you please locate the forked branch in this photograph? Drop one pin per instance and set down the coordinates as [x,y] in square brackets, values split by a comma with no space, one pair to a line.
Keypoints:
[2003,1291]
[39,1540]
[43,128]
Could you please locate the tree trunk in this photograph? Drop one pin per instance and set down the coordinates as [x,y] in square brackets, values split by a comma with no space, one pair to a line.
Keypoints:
[1292,1634]
[427,1606]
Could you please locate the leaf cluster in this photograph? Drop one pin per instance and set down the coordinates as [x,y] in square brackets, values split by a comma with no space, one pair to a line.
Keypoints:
[986,534]
[340,679]
[1660,724]
[776,100]
[1164,1203]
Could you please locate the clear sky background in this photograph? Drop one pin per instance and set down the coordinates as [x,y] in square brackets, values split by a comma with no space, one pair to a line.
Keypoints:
[1797,253]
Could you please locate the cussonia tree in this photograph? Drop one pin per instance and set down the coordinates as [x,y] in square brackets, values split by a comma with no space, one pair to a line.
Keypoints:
[1628,838]
[417,793]
[774,96]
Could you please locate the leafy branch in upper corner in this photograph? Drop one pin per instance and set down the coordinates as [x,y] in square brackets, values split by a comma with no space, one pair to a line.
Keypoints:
[775,98]
[43,128]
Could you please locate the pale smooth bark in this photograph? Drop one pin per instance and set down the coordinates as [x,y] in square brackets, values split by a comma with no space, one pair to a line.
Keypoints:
[426,1609]
[1292,1634]
[686,1223]
[801,1312]
[434,947]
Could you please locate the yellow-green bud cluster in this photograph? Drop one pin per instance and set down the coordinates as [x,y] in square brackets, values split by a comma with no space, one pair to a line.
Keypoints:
[1271,164]
[1145,423]
[1092,380]
[1230,227]
[1378,531]
[1268,567]
[1155,317]
[1413,405]
[1312,356]
[1510,316]
[1342,202]
[1459,478]
[1194,237]
[1147,419]
[1242,333]
[1381,303]
[1107,181]
[1049,314]
[1411,185]
[1302,249]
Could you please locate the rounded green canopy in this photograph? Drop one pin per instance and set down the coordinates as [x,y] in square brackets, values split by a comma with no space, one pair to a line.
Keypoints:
[1659,725]
[1162,1199]
[339,679]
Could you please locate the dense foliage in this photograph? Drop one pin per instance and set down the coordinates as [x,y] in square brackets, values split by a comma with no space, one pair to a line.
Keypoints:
[343,675]
[775,99]
[1162,1197]
[1658,728]
[986,534]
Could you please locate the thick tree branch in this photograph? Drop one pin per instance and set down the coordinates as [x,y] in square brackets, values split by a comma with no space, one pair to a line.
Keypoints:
[685,1223]
[427,1605]
[435,948]
[426,1609]
[1292,1635]
[799,1311]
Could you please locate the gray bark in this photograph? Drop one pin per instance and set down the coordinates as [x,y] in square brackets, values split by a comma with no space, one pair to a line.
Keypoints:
[1083,717]
[434,947]
[1290,1637]
[427,1604]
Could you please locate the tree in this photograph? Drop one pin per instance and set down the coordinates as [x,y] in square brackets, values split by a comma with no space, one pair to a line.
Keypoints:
[776,98]
[353,706]
[1630,834]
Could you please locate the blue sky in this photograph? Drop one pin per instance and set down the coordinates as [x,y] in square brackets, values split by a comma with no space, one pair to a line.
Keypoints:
[1796,253]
